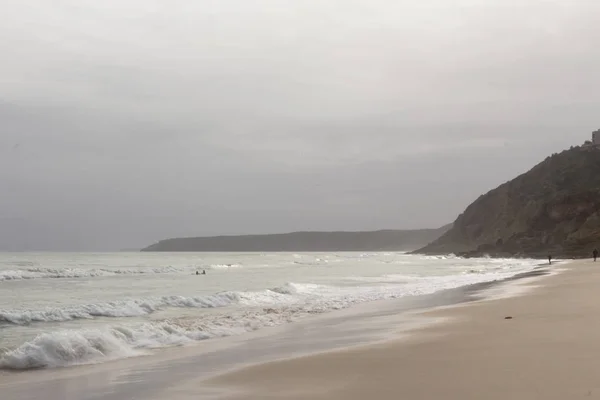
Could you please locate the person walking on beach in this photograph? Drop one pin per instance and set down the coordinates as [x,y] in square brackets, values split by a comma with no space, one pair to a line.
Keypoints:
[595,254]
[549,259]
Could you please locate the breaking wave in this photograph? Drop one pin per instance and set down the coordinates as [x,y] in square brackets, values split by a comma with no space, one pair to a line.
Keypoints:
[139,307]
[221,266]
[86,346]
[236,313]
[70,273]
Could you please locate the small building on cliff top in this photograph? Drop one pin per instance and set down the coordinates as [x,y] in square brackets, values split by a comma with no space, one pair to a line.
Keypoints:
[596,138]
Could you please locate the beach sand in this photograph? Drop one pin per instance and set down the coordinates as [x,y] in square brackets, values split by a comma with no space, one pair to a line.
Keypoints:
[550,349]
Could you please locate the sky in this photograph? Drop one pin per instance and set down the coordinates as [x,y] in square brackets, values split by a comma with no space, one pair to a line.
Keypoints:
[123,122]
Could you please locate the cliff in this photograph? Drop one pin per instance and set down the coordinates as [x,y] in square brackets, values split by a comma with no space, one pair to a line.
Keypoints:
[384,240]
[552,209]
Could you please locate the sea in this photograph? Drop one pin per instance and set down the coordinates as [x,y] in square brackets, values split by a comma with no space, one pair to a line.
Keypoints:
[73,309]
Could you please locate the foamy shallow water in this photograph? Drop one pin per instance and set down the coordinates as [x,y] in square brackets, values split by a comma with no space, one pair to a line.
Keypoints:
[66,309]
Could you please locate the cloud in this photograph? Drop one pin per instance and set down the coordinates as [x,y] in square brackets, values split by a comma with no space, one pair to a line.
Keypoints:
[137,120]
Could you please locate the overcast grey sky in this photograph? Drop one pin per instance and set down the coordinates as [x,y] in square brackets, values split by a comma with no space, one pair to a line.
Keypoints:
[128,121]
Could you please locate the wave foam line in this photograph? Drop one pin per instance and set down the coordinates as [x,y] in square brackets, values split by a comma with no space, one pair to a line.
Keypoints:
[65,273]
[278,306]
[85,346]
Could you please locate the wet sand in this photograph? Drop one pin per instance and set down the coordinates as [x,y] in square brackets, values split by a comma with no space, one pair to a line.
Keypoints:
[550,349]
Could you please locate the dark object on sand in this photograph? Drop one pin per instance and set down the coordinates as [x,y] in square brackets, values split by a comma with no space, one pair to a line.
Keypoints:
[549,260]
[508,317]
[595,254]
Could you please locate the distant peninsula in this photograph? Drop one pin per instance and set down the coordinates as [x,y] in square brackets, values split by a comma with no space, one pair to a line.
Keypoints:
[383,240]
[553,209]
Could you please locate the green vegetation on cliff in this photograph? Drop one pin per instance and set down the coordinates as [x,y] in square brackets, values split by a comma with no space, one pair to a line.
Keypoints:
[400,240]
[552,209]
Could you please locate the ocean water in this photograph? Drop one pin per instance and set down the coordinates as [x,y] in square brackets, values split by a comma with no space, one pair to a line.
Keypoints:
[60,310]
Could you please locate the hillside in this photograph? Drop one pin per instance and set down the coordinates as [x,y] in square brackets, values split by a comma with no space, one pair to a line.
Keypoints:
[401,240]
[552,209]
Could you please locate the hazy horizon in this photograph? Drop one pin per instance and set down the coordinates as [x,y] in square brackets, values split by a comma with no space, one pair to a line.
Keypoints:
[124,123]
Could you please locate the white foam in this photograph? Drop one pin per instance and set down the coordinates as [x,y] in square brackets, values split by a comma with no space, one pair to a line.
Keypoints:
[398,278]
[116,309]
[312,296]
[221,266]
[268,308]
[246,311]
[62,348]
[73,347]
[57,273]
[30,272]
[292,288]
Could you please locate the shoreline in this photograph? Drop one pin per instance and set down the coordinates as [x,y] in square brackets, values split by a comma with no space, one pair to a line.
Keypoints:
[297,314]
[474,353]
[409,321]
[365,325]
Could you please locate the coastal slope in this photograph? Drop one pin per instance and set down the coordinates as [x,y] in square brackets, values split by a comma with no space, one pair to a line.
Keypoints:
[552,209]
[383,240]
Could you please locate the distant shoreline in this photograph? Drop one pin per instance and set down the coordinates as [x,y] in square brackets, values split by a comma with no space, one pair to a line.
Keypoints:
[381,240]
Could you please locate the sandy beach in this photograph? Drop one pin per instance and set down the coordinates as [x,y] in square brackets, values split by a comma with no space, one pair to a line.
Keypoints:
[550,349]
